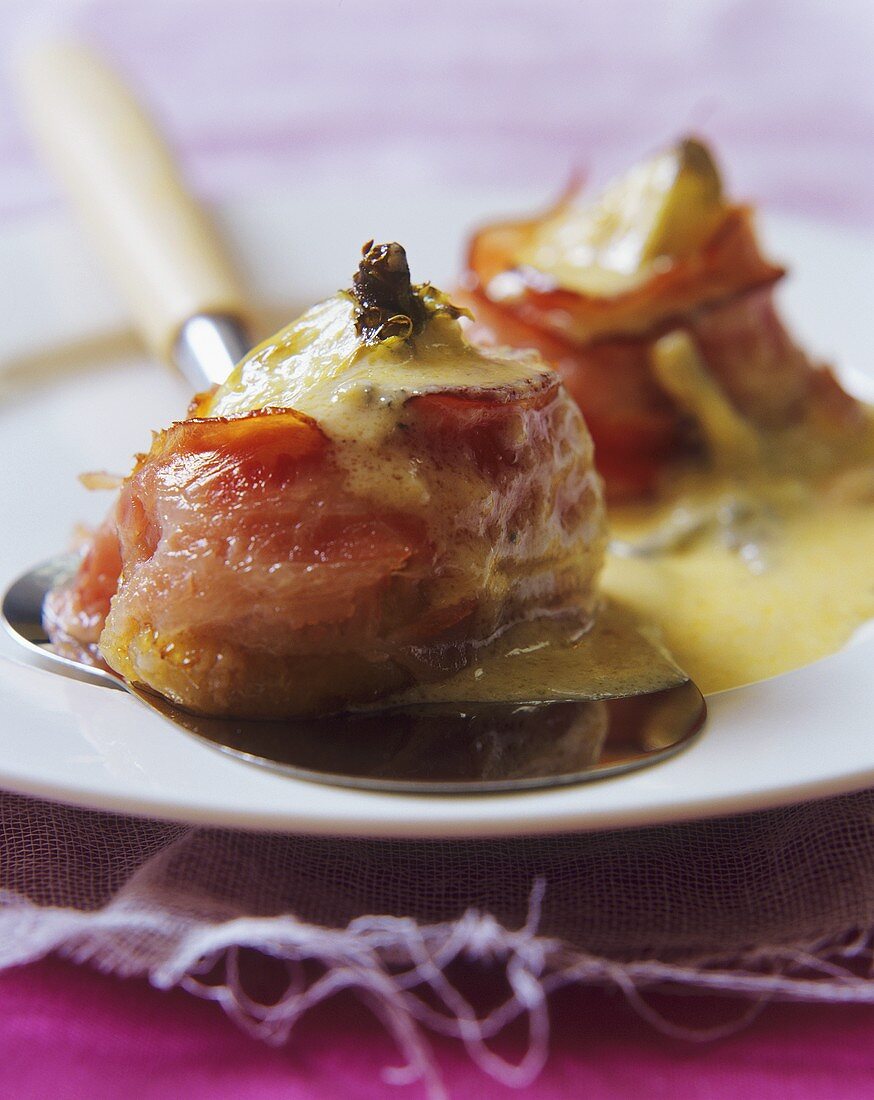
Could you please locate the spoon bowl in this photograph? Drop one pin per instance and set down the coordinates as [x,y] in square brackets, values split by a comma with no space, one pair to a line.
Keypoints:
[446,748]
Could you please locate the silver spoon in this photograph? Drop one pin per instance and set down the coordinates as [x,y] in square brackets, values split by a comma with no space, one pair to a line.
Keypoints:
[186,302]
[441,749]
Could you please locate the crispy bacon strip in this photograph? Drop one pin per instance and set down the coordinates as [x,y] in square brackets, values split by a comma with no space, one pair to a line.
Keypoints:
[246,577]
[728,264]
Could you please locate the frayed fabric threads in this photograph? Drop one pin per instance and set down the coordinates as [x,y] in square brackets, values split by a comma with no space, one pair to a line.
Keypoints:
[776,905]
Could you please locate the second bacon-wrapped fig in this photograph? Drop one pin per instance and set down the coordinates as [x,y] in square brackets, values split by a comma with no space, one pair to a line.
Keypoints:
[595,287]
[364,503]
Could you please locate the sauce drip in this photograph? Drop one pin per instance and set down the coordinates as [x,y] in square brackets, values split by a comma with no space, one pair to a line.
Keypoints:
[547,660]
[754,573]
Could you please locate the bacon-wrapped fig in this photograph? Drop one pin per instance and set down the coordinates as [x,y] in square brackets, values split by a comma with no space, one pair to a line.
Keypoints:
[364,503]
[594,288]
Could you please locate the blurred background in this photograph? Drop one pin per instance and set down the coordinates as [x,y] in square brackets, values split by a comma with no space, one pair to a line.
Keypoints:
[260,94]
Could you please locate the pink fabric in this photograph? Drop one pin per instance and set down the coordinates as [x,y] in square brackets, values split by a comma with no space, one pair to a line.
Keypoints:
[256,95]
[73,1034]
[260,95]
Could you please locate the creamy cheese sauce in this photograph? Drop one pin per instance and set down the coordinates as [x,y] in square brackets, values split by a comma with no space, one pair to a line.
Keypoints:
[549,660]
[781,575]
[762,562]
[319,366]
[776,572]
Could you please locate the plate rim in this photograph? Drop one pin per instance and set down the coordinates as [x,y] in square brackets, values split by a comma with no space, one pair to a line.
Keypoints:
[536,821]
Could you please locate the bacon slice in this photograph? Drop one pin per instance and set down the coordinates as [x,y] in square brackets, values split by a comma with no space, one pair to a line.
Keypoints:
[74,614]
[252,580]
[728,264]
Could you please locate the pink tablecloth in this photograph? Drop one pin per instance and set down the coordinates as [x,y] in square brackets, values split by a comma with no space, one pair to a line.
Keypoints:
[261,94]
[70,1033]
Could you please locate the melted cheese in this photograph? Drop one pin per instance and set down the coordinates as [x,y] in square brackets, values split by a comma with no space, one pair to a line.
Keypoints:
[319,366]
[357,393]
[766,577]
[767,573]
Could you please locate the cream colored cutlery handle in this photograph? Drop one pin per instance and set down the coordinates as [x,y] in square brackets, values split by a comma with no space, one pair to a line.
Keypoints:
[155,239]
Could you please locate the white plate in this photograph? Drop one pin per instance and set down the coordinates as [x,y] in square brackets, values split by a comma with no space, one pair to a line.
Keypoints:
[803,734]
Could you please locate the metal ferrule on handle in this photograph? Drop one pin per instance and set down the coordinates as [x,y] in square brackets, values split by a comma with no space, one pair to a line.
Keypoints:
[155,239]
